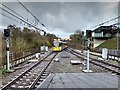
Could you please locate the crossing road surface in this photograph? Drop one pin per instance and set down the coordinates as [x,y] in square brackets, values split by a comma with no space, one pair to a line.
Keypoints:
[81,80]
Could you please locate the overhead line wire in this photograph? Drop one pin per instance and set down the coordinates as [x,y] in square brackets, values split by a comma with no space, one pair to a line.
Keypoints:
[32,14]
[106,22]
[21,19]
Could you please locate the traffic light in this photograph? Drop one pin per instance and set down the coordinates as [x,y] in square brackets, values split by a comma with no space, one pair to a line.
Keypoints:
[88,33]
[7,32]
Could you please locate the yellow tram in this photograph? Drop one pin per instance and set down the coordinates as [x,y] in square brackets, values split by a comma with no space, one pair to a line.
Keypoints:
[58,45]
[59,48]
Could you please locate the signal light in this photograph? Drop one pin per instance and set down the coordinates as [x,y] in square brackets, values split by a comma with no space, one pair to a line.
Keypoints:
[7,32]
[82,33]
[88,33]
[44,33]
[113,29]
[89,45]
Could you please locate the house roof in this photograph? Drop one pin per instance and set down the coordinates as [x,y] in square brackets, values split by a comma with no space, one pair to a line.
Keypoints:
[103,29]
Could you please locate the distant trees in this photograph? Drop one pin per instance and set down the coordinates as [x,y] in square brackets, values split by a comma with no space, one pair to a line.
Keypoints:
[78,32]
[22,40]
[50,38]
[76,39]
[26,39]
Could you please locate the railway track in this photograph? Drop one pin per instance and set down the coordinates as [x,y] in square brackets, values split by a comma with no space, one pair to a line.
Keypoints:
[103,64]
[32,77]
[21,67]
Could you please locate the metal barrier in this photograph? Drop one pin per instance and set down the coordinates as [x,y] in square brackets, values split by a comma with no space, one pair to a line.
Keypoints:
[112,53]
[20,57]
[23,59]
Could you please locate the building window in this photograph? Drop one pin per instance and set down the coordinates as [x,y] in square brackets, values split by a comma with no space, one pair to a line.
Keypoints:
[99,34]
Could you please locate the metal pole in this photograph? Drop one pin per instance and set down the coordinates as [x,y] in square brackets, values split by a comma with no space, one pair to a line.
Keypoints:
[8,53]
[87,60]
[118,29]
[44,41]
[82,40]
[82,43]
[117,39]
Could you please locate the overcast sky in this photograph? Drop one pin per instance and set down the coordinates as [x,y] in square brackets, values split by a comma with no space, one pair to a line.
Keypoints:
[64,18]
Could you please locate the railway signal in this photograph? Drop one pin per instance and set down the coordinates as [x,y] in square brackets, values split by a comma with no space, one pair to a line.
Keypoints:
[89,44]
[7,32]
[82,33]
[83,43]
[88,33]
[7,36]
[87,69]
[44,33]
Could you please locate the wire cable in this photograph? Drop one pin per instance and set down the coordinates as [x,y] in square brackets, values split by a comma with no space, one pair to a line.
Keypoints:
[12,10]
[32,14]
[9,17]
[21,19]
[106,22]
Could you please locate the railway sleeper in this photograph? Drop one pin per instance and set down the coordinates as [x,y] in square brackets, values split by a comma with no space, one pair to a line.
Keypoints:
[39,82]
[44,74]
[43,77]
[36,85]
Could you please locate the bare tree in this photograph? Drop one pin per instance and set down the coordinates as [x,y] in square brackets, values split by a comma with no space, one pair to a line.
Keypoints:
[78,31]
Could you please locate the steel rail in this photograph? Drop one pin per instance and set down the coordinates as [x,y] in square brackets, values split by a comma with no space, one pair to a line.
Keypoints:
[17,78]
[43,70]
[97,62]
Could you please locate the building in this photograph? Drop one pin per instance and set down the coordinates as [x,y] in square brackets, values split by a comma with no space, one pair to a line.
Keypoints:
[102,33]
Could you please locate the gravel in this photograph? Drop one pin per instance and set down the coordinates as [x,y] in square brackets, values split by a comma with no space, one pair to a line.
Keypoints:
[10,76]
[64,65]
[18,70]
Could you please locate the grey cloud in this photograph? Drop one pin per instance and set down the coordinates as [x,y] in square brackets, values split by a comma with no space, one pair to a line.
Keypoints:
[66,17]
